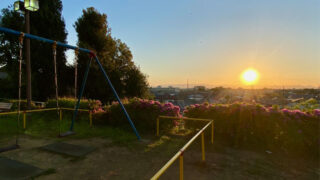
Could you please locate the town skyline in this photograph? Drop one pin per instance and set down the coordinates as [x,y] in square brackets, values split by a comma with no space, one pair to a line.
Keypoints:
[184,86]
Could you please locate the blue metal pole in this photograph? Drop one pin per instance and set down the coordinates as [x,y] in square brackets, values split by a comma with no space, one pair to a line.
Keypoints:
[80,95]
[116,94]
[30,36]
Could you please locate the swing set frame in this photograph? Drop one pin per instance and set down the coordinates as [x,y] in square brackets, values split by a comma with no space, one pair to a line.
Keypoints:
[77,49]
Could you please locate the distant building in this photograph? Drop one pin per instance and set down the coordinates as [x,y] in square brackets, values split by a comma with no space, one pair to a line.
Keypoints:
[165,94]
[199,88]
[196,97]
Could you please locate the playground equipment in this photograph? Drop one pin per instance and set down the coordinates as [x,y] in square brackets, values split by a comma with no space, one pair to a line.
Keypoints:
[92,56]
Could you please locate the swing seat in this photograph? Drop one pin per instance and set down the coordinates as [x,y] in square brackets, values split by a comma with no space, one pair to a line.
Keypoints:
[68,133]
[9,148]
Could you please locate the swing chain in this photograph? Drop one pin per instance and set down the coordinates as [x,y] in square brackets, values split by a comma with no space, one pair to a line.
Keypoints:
[20,64]
[54,47]
[76,52]
[21,37]
[21,40]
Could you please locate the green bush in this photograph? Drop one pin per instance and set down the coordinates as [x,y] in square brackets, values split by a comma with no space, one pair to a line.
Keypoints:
[307,106]
[255,126]
[23,105]
[143,113]
[71,102]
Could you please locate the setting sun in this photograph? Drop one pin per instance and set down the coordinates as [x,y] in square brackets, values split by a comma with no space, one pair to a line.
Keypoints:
[250,76]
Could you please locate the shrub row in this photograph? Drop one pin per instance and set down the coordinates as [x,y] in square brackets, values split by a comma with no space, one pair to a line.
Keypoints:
[23,105]
[268,128]
[142,112]
[71,102]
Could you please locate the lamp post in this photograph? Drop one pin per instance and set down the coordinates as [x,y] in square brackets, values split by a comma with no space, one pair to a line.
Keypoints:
[25,7]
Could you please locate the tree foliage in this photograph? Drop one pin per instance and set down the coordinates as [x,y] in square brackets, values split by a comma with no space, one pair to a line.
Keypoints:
[48,23]
[94,33]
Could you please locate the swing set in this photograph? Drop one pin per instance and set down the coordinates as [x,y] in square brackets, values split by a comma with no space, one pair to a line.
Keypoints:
[54,48]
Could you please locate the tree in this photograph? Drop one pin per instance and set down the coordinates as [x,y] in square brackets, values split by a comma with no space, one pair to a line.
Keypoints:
[9,51]
[48,23]
[115,56]
[307,105]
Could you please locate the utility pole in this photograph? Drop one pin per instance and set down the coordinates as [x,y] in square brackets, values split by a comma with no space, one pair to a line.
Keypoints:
[28,61]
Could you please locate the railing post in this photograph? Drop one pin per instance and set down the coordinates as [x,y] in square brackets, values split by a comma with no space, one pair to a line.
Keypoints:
[60,114]
[202,147]
[181,166]
[90,118]
[212,131]
[157,126]
[24,119]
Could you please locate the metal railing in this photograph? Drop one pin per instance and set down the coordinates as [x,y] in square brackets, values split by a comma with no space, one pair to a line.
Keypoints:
[47,109]
[180,153]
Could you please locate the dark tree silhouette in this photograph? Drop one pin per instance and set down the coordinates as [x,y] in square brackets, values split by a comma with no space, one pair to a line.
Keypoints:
[115,56]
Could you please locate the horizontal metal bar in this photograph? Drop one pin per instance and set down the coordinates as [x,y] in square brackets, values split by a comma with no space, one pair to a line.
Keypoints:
[30,36]
[72,109]
[28,111]
[7,113]
[185,118]
[176,156]
[41,110]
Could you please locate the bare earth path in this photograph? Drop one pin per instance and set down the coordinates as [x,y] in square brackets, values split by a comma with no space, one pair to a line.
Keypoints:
[139,161]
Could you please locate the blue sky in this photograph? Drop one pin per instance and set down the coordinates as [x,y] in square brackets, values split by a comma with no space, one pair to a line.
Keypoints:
[211,42]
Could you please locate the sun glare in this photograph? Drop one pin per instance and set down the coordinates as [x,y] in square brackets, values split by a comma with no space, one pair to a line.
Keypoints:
[250,76]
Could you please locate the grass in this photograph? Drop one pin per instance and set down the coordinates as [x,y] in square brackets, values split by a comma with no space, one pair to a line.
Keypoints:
[8,126]
[46,125]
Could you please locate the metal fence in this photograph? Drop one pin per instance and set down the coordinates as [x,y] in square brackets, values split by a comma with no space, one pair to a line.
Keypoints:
[180,153]
[24,113]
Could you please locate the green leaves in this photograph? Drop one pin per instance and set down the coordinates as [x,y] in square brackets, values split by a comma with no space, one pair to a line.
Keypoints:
[48,23]
[115,56]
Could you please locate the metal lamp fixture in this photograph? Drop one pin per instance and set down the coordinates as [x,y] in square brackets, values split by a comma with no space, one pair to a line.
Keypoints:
[31,5]
[18,6]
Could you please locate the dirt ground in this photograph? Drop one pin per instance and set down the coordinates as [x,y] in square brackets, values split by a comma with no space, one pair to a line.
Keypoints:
[141,160]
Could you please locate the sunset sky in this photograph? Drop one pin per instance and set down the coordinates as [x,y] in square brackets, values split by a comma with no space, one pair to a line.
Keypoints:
[211,42]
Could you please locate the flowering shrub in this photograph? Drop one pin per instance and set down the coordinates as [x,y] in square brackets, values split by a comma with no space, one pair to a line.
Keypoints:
[256,126]
[95,106]
[142,112]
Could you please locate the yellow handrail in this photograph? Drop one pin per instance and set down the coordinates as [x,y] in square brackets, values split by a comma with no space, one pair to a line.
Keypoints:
[180,153]
[40,110]
[186,118]
[74,109]
[48,109]
[7,113]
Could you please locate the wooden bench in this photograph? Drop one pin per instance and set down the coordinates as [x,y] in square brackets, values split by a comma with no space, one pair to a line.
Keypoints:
[5,106]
